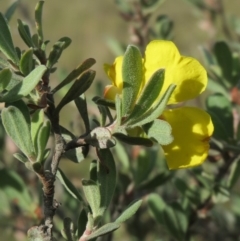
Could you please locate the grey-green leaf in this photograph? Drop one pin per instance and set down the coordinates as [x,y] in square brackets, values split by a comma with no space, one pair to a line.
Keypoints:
[107,177]
[38,19]
[10,11]
[26,62]
[42,140]
[36,123]
[25,34]
[78,88]
[68,185]
[20,104]
[92,193]
[88,63]
[129,212]
[56,51]
[105,229]
[132,77]
[154,112]
[81,104]
[140,141]
[20,157]
[24,87]
[5,77]
[6,43]
[148,95]
[160,131]
[220,109]
[18,129]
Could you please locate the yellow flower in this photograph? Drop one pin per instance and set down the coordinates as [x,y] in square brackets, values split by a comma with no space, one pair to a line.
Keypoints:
[191,127]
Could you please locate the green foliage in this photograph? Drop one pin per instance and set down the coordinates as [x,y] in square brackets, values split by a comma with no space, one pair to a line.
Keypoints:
[68,185]
[132,77]
[34,111]
[5,77]
[26,62]
[172,216]
[80,85]
[6,43]
[154,112]
[24,87]
[12,118]
[160,131]
[220,109]
[148,95]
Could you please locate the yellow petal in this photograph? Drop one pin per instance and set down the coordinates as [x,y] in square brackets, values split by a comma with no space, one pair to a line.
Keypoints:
[114,72]
[187,73]
[110,92]
[191,129]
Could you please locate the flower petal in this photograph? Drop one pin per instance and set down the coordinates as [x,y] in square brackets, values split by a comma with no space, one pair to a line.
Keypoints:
[110,92]
[191,129]
[187,73]
[114,72]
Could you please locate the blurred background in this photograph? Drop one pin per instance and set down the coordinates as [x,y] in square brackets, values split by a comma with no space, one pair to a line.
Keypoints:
[93,27]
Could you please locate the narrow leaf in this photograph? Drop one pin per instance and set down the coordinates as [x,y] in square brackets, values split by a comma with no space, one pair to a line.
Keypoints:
[220,109]
[20,157]
[100,101]
[78,88]
[20,104]
[26,62]
[68,185]
[5,77]
[105,229]
[148,95]
[36,123]
[56,51]
[133,140]
[107,175]
[38,19]
[93,196]
[43,136]
[224,58]
[132,78]
[25,34]
[82,223]
[129,212]
[88,63]
[6,43]
[10,11]
[17,128]
[154,112]
[25,87]
[81,104]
